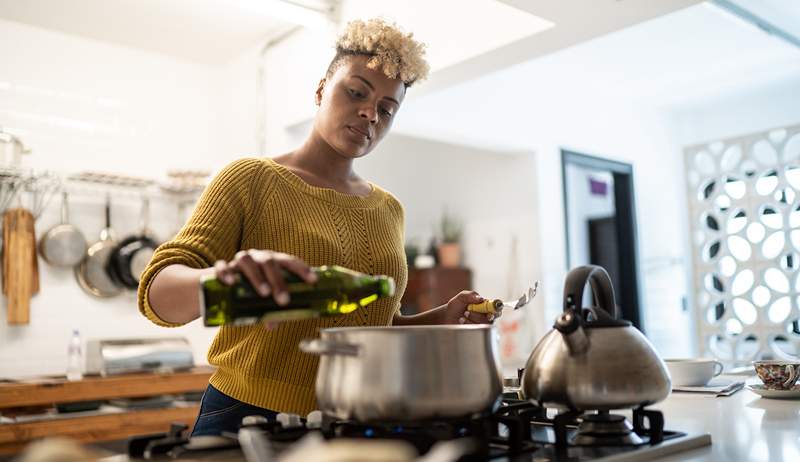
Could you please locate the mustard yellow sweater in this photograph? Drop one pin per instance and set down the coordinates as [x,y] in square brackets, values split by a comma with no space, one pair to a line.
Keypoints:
[260,204]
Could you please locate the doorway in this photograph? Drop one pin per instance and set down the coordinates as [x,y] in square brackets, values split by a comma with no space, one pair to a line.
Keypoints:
[600,223]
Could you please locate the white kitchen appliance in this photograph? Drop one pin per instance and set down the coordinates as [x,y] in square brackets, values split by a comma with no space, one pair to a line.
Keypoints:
[121,356]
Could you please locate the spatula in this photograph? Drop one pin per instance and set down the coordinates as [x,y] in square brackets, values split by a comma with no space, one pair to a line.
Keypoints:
[496,306]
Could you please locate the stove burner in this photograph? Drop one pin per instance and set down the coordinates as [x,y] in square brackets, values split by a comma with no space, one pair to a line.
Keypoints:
[422,435]
[604,429]
[518,430]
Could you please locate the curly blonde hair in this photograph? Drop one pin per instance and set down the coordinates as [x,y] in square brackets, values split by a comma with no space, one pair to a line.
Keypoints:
[396,53]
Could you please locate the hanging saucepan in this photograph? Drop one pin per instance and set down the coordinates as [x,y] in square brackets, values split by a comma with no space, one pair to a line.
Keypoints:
[11,150]
[131,256]
[63,245]
[91,273]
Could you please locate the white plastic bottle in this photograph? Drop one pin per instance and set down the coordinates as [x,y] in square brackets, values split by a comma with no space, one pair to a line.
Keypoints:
[75,357]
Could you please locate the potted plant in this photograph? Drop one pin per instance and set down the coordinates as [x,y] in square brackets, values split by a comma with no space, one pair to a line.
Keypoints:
[449,248]
[412,251]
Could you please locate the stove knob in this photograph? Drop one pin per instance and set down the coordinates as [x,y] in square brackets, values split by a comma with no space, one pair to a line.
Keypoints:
[289,420]
[314,420]
[254,420]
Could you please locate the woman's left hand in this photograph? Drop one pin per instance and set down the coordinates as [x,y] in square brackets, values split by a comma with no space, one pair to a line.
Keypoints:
[455,312]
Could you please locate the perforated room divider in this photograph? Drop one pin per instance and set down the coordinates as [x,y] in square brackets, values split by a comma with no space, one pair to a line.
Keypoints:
[744,219]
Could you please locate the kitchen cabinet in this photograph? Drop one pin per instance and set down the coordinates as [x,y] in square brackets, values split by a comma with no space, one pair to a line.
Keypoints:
[431,287]
[107,424]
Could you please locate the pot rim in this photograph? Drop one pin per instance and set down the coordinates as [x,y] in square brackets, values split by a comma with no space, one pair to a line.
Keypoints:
[400,329]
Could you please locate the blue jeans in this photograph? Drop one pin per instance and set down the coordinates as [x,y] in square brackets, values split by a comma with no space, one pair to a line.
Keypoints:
[221,413]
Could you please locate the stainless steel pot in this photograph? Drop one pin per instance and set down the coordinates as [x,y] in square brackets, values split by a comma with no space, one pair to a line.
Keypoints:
[406,373]
[11,150]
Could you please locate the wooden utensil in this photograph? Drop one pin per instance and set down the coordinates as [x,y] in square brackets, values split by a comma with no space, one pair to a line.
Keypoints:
[19,262]
[34,262]
[7,219]
[6,239]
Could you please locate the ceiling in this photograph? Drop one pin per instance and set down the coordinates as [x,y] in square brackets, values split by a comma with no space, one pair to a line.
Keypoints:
[206,31]
[616,53]
[780,13]
[216,31]
[678,59]
[480,26]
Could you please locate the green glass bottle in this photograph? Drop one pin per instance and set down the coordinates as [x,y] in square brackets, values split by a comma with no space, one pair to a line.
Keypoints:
[337,291]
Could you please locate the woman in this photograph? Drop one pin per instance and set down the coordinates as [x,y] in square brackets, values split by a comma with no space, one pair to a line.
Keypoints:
[307,207]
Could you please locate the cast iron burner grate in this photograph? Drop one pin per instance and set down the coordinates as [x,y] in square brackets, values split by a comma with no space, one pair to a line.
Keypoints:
[518,430]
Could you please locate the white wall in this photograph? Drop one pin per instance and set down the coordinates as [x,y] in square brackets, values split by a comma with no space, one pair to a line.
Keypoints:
[619,131]
[733,114]
[291,84]
[83,105]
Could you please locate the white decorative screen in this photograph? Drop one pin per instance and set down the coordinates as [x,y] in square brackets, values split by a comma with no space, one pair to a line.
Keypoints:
[744,215]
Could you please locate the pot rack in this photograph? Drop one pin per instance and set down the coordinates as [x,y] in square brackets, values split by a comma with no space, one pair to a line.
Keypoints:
[35,190]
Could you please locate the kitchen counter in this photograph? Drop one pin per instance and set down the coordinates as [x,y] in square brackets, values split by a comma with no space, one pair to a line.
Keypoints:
[742,427]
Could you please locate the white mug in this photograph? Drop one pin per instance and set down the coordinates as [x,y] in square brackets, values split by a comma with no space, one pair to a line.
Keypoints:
[692,372]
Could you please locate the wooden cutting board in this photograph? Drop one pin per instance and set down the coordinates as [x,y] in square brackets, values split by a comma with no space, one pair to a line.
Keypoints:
[20,275]
[6,238]
[6,232]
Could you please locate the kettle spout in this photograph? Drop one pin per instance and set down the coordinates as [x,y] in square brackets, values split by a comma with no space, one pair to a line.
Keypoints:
[569,325]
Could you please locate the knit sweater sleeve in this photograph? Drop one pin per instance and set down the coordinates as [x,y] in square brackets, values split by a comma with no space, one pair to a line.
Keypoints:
[212,233]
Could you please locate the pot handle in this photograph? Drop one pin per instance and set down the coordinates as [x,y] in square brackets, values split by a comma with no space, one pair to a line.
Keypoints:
[602,289]
[321,347]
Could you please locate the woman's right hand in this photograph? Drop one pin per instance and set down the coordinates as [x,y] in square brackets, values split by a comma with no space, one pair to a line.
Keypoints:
[263,269]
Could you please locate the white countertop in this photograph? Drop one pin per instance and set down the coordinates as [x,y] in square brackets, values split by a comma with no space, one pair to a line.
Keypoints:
[743,426]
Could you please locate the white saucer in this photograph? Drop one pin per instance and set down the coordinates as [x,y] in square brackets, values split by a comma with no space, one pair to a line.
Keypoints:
[793,393]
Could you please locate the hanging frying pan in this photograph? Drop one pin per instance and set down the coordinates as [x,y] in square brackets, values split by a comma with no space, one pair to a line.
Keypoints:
[131,256]
[91,273]
[63,245]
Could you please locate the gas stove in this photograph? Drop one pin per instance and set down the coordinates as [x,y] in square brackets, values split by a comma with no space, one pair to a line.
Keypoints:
[518,431]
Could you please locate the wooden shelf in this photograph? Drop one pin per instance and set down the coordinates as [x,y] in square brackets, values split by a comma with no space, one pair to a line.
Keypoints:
[91,427]
[45,392]
[432,287]
[109,427]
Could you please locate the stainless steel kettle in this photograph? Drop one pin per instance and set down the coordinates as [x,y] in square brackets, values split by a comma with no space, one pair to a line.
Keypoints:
[592,359]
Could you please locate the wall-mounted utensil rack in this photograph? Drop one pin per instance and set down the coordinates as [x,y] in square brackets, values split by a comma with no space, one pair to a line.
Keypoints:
[35,190]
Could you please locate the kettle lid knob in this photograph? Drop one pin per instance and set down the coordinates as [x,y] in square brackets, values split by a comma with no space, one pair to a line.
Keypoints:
[568,325]
[568,322]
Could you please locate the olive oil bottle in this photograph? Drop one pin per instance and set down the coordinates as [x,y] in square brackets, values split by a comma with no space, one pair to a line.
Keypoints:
[337,291]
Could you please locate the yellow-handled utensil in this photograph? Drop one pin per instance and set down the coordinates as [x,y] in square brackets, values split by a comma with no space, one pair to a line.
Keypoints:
[496,306]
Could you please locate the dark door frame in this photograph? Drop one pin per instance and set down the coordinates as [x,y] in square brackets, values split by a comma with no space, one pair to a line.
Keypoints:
[625,206]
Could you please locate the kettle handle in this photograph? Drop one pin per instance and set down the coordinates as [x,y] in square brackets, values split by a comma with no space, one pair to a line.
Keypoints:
[602,289]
